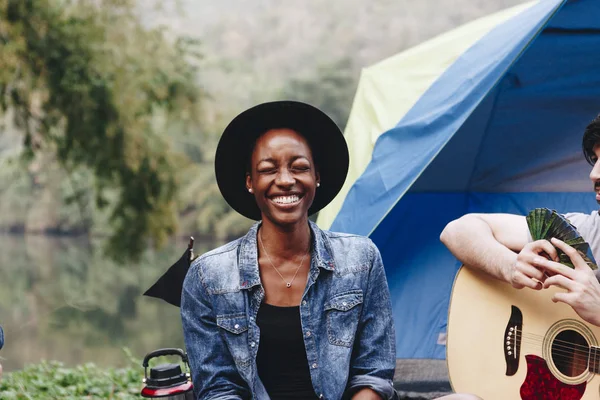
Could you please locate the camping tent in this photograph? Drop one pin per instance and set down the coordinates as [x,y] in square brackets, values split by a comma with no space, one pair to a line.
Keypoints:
[486,118]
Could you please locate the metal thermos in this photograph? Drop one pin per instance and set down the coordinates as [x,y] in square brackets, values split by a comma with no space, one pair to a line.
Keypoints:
[167,381]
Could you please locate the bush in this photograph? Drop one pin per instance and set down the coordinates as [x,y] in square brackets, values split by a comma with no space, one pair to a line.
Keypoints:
[52,380]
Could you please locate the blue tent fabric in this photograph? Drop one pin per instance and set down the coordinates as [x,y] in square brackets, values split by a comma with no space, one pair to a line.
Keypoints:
[421,272]
[499,131]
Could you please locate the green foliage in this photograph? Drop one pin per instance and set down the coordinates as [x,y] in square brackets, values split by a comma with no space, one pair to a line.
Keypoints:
[52,380]
[86,81]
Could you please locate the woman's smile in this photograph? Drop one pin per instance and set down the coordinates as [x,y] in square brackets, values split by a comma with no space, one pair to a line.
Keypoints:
[286,201]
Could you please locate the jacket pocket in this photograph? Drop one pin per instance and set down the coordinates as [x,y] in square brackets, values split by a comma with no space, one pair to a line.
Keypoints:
[234,328]
[343,313]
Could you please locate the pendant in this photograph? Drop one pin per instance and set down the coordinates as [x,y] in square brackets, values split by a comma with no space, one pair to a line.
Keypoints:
[288,285]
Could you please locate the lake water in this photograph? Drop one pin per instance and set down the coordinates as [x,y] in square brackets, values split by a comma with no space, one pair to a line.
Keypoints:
[61,299]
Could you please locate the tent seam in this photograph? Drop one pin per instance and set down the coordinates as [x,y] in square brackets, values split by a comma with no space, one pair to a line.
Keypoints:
[486,131]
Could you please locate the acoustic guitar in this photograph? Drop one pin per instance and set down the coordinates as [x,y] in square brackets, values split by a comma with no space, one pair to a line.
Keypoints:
[504,343]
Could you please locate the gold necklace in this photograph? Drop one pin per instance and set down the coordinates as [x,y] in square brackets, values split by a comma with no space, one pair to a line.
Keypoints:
[287,284]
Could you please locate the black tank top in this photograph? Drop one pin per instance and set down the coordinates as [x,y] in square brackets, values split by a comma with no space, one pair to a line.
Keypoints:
[281,359]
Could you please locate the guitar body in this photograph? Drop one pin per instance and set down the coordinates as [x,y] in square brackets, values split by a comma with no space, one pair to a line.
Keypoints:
[504,343]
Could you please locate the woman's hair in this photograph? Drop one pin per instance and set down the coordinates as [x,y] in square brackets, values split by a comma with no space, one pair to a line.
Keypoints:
[591,137]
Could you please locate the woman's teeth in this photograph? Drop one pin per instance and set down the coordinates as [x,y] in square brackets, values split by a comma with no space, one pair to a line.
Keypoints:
[286,199]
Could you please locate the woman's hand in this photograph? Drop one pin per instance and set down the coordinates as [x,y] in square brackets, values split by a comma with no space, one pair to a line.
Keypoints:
[581,285]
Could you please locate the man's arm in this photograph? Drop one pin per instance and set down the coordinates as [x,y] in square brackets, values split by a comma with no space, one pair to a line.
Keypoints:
[489,242]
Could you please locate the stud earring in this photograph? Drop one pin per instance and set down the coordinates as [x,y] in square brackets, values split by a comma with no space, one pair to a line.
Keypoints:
[318,184]
[250,190]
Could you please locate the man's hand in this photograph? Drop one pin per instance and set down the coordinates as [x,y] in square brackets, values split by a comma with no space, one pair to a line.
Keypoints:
[366,394]
[524,273]
[581,285]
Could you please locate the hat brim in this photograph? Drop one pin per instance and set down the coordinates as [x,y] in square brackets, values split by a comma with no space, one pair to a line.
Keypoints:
[327,143]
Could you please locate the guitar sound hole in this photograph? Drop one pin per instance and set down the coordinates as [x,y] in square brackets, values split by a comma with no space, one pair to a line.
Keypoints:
[570,353]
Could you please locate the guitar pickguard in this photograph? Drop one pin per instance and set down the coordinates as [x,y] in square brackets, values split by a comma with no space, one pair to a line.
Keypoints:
[540,384]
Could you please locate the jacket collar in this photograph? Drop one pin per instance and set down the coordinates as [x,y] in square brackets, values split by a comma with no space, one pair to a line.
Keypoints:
[248,256]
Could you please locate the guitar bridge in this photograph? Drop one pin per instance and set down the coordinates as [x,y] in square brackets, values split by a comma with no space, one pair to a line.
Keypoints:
[512,341]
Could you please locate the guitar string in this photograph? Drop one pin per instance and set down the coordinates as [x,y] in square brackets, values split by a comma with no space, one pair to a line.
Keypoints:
[570,357]
[531,333]
[534,334]
[582,357]
[573,359]
[567,347]
[566,344]
[556,344]
[541,338]
[578,363]
[576,357]
[561,353]
[570,348]
[557,348]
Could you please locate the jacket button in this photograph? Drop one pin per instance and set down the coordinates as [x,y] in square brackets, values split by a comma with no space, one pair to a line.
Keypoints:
[307,333]
[321,396]
[303,302]
[252,344]
[314,365]
[237,326]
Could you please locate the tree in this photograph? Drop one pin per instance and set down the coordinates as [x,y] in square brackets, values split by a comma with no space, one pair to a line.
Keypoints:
[86,81]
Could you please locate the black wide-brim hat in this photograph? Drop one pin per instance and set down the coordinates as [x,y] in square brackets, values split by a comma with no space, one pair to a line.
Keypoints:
[327,143]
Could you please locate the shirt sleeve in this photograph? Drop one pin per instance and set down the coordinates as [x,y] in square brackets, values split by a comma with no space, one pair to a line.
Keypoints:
[373,358]
[213,369]
[588,226]
[581,221]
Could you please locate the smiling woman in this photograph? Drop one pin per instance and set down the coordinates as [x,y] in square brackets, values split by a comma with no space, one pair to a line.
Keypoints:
[282,176]
[288,311]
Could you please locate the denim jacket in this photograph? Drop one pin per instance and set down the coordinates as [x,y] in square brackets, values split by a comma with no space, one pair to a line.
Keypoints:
[345,314]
